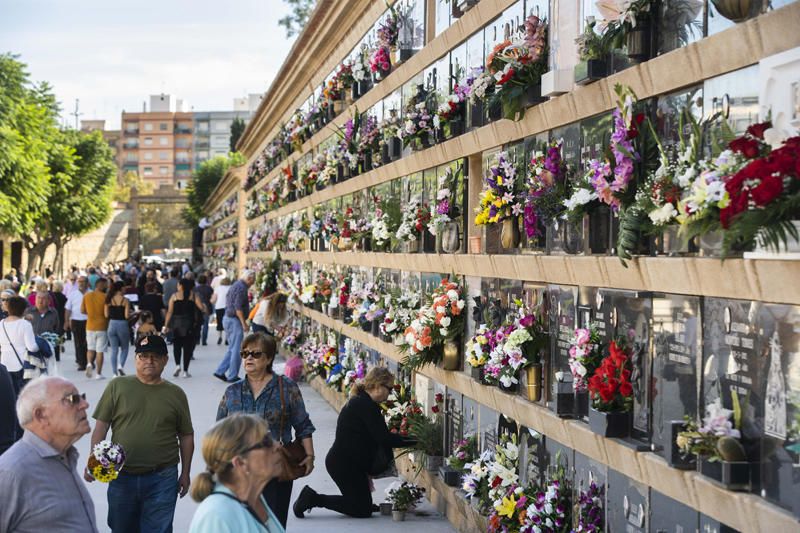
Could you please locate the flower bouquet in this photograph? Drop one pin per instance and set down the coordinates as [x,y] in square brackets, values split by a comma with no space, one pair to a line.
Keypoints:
[517,67]
[479,86]
[417,129]
[415,217]
[479,348]
[106,461]
[403,309]
[450,115]
[611,392]
[550,507]
[585,355]
[545,189]
[399,408]
[589,509]
[476,482]
[464,453]
[500,200]
[446,212]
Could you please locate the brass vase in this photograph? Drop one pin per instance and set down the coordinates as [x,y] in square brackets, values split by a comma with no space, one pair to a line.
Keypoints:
[451,356]
[450,238]
[737,10]
[509,234]
[533,382]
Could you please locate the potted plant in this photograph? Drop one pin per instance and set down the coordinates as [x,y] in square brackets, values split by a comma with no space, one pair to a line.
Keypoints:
[611,392]
[593,51]
[429,435]
[445,214]
[717,445]
[404,497]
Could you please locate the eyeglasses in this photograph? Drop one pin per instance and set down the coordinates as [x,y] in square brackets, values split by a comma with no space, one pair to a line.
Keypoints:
[149,355]
[266,442]
[387,387]
[255,355]
[75,398]
[4,299]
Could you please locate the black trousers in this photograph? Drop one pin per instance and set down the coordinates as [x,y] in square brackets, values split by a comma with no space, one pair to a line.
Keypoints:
[278,494]
[356,498]
[220,315]
[183,346]
[79,333]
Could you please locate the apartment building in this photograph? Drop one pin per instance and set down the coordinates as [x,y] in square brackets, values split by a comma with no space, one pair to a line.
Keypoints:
[166,143]
[112,137]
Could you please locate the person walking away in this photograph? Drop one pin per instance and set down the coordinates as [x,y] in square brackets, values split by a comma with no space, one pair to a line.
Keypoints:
[171,285]
[39,481]
[184,307]
[205,293]
[146,325]
[60,299]
[75,321]
[237,307]
[361,439]
[218,299]
[279,401]
[16,340]
[152,301]
[240,459]
[150,418]
[93,276]
[216,280]
[117,311]
[94,307]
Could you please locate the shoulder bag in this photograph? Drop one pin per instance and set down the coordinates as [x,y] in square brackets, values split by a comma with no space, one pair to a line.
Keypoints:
[31,369]
[293,453]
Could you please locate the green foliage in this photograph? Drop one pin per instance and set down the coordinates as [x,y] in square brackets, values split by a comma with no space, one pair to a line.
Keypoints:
[27,122]
[297,19]
[204,179]
[770,227]
[237,128]
[131,180]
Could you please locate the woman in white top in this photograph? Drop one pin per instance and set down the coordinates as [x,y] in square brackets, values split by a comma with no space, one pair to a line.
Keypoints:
[271,313]
[16,340]
[242,458]
[218,300]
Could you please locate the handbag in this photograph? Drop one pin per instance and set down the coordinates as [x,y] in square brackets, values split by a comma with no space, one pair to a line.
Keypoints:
[293,453]
[35,363]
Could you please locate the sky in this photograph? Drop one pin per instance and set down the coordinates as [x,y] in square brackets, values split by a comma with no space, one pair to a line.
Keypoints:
[111,55]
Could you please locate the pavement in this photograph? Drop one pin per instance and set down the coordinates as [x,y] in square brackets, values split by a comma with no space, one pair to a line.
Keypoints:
[204,392]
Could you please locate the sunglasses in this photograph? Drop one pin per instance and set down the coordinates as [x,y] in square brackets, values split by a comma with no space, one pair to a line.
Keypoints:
[266,442]
[149,355]
[75,398]
[255,355]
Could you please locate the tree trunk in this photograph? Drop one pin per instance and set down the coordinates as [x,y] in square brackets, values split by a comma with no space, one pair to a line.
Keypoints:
[58,262]
[36,251]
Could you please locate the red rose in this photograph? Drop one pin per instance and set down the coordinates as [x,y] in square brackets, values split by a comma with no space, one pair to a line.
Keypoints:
[770,188]
[625,389]
[757,130]
[746,147]
[607,395]
[633,131]
[435,409]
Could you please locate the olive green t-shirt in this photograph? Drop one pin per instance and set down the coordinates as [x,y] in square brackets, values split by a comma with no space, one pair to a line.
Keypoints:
[146,420]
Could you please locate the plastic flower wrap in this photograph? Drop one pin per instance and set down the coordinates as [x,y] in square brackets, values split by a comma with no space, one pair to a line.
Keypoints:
[503,469]
[479,85]
[476,481]
[106,461]
[499,198]
[585,354]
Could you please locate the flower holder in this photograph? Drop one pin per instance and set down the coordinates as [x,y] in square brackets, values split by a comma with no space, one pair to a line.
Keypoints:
[475,244]
[355,91]
[341,172]
[451,355]
[364,86]
[510,235]
[354,170]
[292,196]
[733,475]
[428,242]
[511,389]
[395,148]
[366,325]
[450,476]
[597,230]
[533,96]
[385,157]
[366,244]
[533,382]
[455,9]
[411,247]
[638,40]
[672,453]
[448,241]
[476,115]
[433,462]
[590,70]
[386,338]
[398,516]
[495,111]
[563,400]
[405,54]
[320,186]
[476,373]
[321,246]
[614,424]
[455,128]
[366,161]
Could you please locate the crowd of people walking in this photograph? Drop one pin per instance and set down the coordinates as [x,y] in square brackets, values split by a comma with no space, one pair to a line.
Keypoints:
[261,443]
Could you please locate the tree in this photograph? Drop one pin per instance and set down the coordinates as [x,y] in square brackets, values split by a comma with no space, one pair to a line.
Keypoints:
[28,118]
[297,19]
[203,181]
[237,128]
[82,174]
[131,180]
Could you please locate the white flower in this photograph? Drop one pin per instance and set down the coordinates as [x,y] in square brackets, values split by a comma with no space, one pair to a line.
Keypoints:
[460,304]
[443,332]
[580,197]
[663,215]
[452,294]
[445,322]
[774,137]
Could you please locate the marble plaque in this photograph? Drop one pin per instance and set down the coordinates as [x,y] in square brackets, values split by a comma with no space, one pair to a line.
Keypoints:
[488,423]
[588,471]
[556,453]
[563,300]
[531,456]
[671,516]
[627,505]
[454,420]
[709,525]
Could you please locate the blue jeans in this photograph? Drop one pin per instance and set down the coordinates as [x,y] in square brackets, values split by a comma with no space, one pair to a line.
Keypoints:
[204,330]
[233,360]
[146,502]
[119,339]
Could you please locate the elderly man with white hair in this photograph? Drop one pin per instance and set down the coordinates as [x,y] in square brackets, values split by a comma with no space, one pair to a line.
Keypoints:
[41,488]
[237,308]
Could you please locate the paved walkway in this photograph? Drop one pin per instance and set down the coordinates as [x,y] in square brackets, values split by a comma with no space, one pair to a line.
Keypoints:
[204,392]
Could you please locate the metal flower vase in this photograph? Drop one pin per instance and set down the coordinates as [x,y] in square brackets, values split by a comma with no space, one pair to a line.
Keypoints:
[510,234]
[451,355]
[449,239]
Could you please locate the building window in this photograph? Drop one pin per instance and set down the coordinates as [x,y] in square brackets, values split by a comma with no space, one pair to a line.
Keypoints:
[163,156]
[148,171]
[148,156]
[148,141]
[130,156]
[182,157]
[202,126]
[221,126]
[163,170]
[163,126]
[148,126]
[163,141]
[131,126]
[182,143]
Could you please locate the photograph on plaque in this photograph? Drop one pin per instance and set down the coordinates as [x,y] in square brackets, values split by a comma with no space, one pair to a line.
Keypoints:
[779,350]
[626,504]
[531,456]
[671,516]
[677,337]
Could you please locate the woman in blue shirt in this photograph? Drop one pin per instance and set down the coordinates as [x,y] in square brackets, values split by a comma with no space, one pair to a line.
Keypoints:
[241,458]
[259,393]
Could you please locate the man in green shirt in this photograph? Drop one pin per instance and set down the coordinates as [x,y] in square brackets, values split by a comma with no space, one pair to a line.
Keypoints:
[150,418]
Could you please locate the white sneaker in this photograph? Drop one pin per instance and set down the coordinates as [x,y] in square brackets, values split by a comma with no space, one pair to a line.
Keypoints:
[89,368]
[99,376]
[177,372]
[186,375]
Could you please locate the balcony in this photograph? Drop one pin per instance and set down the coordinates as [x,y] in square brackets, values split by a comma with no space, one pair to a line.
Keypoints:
[183,131]
[131,144]
[131,131]
[183,166]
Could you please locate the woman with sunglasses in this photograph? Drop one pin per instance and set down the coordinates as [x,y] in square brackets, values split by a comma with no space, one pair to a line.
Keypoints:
[241,458]
[277,399]
[362,447]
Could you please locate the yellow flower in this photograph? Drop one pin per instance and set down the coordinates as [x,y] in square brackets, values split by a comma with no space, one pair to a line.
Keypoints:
[507,507]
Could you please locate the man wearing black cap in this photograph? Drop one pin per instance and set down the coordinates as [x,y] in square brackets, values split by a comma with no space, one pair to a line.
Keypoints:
[145,414]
